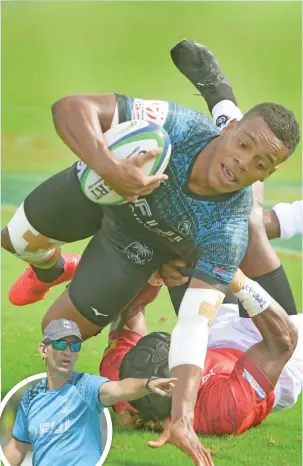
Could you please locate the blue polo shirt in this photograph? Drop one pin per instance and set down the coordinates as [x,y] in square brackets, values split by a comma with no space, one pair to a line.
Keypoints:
[64,426]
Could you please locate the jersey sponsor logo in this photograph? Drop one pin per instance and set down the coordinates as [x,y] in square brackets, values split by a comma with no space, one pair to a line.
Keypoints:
[150,110]
[142,209]
[206,377]
[139,253]
[250,379]
[54,428]
[184,227]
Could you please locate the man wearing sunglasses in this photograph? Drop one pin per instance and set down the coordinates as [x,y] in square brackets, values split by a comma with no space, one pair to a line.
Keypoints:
[60,417]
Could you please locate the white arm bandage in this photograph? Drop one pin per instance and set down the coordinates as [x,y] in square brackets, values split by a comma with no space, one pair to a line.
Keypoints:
[290,218]
[189,337]
[253,297]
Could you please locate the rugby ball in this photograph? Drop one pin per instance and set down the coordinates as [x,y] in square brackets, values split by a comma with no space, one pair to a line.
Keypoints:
[127,140]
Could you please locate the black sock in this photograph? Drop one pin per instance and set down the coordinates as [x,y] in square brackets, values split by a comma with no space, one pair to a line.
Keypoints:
[51,274]
[277,286]
[221,92]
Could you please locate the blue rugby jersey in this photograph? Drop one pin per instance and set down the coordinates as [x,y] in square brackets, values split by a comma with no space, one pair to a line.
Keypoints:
[64,426]
[211,232]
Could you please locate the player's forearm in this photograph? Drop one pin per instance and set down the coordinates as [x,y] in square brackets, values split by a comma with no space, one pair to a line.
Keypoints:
[276,327]
[185,394]
[269,317]
[13,455]
[125,390]
[272,225]
[77,122]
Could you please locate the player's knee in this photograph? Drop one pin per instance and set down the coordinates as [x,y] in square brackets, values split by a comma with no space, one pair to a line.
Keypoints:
[21,238]
[6,241]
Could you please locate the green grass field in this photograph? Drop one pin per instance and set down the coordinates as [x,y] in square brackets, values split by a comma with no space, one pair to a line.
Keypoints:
[51,49]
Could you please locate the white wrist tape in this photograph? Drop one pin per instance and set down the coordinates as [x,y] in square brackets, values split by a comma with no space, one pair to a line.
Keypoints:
[253,298]
[290,218]
[189,337]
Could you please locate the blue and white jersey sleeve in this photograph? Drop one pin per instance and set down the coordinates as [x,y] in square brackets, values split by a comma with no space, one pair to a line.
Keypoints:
[88,387]
[20,429]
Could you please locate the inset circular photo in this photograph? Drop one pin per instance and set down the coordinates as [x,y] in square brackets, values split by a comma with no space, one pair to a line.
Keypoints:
[38,425]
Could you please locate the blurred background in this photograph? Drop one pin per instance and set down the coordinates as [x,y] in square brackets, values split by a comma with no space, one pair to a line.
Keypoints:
[52,49]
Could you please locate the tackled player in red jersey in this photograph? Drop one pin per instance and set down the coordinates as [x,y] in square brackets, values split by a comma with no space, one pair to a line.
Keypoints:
[237,389]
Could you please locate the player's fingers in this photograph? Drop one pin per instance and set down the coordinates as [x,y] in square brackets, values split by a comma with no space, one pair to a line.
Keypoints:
[208,460]
[131,198]
[154,180]
[165,392]
[177,263]
[167,381]
[146,193]
[195,455]
[141,159]
[159,442]
[169,272]
[148,190]
[207,456]
[171,282]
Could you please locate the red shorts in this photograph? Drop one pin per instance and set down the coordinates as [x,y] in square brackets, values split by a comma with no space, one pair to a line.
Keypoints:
[120,342]
[231,403]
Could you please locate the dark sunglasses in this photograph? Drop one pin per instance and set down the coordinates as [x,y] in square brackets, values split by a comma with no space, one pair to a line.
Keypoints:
[61,345]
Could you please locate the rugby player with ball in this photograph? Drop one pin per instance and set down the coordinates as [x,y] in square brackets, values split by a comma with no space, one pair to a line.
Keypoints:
[198,213]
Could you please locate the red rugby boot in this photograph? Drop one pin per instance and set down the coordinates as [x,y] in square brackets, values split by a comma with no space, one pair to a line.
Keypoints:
[27,289]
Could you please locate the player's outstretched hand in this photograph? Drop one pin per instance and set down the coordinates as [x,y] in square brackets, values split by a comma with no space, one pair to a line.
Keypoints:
[127,178]
[171,274]
[162,387]
[184,437]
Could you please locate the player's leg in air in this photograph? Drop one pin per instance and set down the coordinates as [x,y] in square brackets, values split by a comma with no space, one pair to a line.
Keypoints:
[56,212]
[199,65]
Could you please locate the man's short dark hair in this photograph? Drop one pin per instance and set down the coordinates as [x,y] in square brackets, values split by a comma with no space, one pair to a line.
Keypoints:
[281,121]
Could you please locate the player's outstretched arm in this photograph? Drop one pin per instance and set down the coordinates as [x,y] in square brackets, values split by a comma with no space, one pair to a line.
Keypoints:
[15,451]
[186,361]
[111,393]
[278,332]
[80,121]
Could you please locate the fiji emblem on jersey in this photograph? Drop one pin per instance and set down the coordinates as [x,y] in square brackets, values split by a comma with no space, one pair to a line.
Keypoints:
[184,227]
[139,253]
